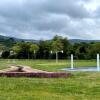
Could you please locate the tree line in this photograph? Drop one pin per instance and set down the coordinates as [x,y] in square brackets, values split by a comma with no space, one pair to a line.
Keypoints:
[47,49]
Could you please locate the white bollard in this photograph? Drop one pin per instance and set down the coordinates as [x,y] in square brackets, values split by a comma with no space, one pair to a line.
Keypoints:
[98,67]
[72,66]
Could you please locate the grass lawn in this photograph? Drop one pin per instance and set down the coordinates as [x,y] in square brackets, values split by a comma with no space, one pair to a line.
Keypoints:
[81,86]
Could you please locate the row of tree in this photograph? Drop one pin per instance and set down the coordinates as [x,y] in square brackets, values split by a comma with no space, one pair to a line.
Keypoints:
[49,48]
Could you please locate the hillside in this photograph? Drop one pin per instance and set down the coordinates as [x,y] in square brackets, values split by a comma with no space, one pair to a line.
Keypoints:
[79,41]
[9,41]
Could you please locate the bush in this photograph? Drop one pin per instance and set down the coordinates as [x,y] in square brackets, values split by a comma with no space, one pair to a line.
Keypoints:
[5,54]
[38,75]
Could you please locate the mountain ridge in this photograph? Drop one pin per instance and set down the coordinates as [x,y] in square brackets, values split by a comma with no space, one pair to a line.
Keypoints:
[13,39]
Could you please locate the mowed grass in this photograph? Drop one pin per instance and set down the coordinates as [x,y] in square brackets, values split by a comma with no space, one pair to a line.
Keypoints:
[81,86]
[51,65]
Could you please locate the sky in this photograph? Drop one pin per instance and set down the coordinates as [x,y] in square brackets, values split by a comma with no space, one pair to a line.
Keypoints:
[43,19]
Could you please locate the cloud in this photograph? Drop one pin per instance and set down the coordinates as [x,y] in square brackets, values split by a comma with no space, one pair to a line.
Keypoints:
[42,19]
[71,8]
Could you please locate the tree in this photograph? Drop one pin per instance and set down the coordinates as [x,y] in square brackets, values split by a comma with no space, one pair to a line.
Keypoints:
[5,54]
[81,50]
[66,47]
[33,49]
[16,48]
[57,44]
[44,49]
[2,49]
[94,49]
[22,49]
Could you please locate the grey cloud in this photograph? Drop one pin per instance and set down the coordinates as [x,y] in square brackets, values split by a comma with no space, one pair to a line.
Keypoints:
[38,19]
[97,12]
[71,8]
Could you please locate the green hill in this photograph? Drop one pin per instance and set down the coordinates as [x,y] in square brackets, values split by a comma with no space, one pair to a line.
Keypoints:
[7,41]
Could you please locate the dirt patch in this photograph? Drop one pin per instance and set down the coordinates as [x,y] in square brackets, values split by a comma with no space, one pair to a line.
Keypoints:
[26,71]
[21,68]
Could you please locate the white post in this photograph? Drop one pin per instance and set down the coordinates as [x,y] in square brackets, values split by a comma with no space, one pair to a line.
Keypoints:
[72,67]
[98,67]
[56,57]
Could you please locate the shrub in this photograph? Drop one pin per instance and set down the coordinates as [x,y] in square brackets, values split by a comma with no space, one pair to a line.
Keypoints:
[38,75]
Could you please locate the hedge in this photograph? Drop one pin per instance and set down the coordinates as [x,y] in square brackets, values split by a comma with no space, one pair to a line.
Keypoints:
[37,75]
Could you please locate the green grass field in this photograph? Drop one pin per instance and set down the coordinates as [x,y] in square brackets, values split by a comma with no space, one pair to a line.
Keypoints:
[81,86]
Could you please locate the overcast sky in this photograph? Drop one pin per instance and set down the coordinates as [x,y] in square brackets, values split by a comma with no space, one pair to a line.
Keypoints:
[42,19]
